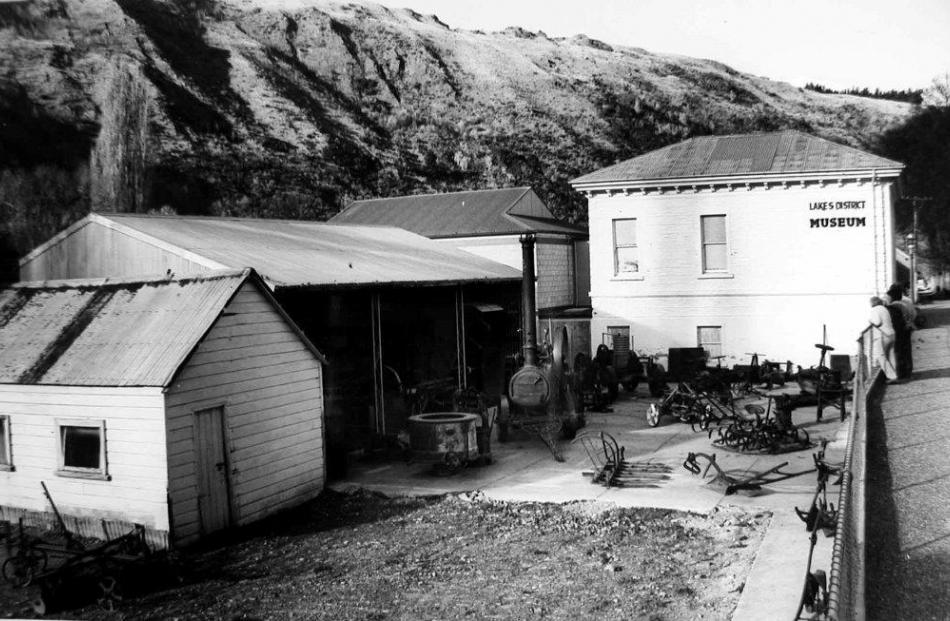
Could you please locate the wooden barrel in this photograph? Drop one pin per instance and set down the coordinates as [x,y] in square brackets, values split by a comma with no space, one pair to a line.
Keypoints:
[443,436]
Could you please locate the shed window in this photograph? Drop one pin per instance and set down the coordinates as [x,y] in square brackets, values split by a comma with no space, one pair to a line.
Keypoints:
[82,449]
[626,252]
[710,339]
[6,459]
[714,243]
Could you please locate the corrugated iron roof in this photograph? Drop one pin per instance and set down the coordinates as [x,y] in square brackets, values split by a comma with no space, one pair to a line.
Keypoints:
[779,153]
[301,253]
[508,211]
[107,333]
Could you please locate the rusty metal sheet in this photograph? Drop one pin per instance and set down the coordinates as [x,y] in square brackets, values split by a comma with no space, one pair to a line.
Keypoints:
[102,333]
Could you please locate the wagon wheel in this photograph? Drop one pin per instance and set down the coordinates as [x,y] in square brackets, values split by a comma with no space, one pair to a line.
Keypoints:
[453,461]
[50,589]
[653,415]
[39,605]
[110,593]
[19,570]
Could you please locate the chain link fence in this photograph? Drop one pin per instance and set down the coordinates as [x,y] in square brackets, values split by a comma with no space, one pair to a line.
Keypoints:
[847,578]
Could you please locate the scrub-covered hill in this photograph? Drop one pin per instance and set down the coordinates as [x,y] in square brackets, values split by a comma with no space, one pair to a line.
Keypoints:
[290,109]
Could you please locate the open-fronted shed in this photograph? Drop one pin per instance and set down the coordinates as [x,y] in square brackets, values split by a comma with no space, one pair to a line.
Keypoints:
[397,314]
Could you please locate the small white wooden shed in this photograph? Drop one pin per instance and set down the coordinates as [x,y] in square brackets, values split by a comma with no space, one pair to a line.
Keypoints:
[186,405]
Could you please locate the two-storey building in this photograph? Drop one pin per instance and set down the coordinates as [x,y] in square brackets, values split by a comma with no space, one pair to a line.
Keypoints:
[739,244]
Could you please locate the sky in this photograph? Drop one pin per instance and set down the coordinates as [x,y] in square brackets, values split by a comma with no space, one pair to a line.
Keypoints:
[836,43]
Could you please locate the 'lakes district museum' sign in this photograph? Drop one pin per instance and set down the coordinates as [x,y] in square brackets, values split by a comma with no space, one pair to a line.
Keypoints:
[840,222]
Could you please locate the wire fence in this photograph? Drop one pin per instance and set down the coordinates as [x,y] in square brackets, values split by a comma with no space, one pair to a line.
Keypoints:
[847,572]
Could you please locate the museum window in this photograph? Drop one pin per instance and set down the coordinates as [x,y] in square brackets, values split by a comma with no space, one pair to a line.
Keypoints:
[6,458]
[714,243]
[710,339]
[82,449]
[626,252]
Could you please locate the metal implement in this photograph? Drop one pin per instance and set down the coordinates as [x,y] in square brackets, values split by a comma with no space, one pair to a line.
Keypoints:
[70,574]
[94,573]
[71,542]
[814,597]
[28,559]
[767,434]
[690,405]
[821,514]
[540,394]
[734,484]
[612,470]
[448,440]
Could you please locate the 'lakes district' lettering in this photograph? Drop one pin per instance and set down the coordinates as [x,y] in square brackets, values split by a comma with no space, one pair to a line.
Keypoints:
[829,205]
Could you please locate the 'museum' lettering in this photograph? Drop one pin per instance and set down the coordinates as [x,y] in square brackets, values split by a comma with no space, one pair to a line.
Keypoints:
[820,223]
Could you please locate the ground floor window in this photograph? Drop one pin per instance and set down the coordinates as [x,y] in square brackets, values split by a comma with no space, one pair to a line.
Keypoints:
[710,339]
[82,448]
[6,458]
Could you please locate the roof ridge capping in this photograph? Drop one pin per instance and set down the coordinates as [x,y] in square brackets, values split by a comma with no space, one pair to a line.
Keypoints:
[523,188]
[76,283]
[794,153]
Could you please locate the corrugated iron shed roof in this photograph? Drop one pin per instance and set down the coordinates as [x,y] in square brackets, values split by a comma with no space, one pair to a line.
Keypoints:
[779,153]
[509,211]
[107,333]
[301,253]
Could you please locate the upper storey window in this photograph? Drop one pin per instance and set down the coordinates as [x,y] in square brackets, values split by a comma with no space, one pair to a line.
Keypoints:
[714,243]
[626,251]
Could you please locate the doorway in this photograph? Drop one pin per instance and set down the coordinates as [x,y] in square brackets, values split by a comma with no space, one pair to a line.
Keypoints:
[214,503]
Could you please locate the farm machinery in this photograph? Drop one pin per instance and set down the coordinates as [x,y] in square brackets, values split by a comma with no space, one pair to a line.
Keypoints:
[540,395]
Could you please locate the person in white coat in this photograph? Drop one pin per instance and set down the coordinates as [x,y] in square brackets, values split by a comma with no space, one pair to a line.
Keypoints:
[880,319]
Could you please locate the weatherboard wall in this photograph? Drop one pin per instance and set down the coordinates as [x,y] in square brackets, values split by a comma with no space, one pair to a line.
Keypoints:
[135,490]
[789,270]
[270,386]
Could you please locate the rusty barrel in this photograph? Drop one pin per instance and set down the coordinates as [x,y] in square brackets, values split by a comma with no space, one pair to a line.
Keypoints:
[443,436]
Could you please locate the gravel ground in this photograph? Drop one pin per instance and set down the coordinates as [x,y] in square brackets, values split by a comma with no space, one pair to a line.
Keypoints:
[364,556]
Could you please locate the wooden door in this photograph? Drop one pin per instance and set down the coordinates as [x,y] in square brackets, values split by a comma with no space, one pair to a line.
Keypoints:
[211,464]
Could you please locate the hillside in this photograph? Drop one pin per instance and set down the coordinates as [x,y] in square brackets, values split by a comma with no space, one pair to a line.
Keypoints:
[254,107]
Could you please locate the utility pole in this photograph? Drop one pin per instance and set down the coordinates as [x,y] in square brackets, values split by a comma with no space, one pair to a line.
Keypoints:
[915,202]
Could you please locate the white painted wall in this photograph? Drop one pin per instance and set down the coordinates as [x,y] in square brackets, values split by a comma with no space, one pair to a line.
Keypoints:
[271,387]
[785,278]
[135,452]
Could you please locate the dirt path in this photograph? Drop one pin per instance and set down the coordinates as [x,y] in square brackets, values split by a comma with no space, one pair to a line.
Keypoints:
[363,556]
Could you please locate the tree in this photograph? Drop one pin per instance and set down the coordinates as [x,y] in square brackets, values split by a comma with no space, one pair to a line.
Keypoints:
[922,143]
[938,94]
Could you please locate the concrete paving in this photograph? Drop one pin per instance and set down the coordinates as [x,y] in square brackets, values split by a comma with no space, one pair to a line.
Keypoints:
[523,469]
[909,484]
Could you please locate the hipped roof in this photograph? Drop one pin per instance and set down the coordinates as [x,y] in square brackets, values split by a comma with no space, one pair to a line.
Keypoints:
[767,154]
[509,211]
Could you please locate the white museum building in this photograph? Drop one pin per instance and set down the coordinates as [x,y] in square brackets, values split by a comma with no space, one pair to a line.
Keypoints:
[747,243]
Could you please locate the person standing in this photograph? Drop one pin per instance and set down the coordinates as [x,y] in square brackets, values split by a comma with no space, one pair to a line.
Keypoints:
[880,318]
[903,326]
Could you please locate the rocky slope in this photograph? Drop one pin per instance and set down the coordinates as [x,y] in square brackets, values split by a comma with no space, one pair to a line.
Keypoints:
[256,107]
